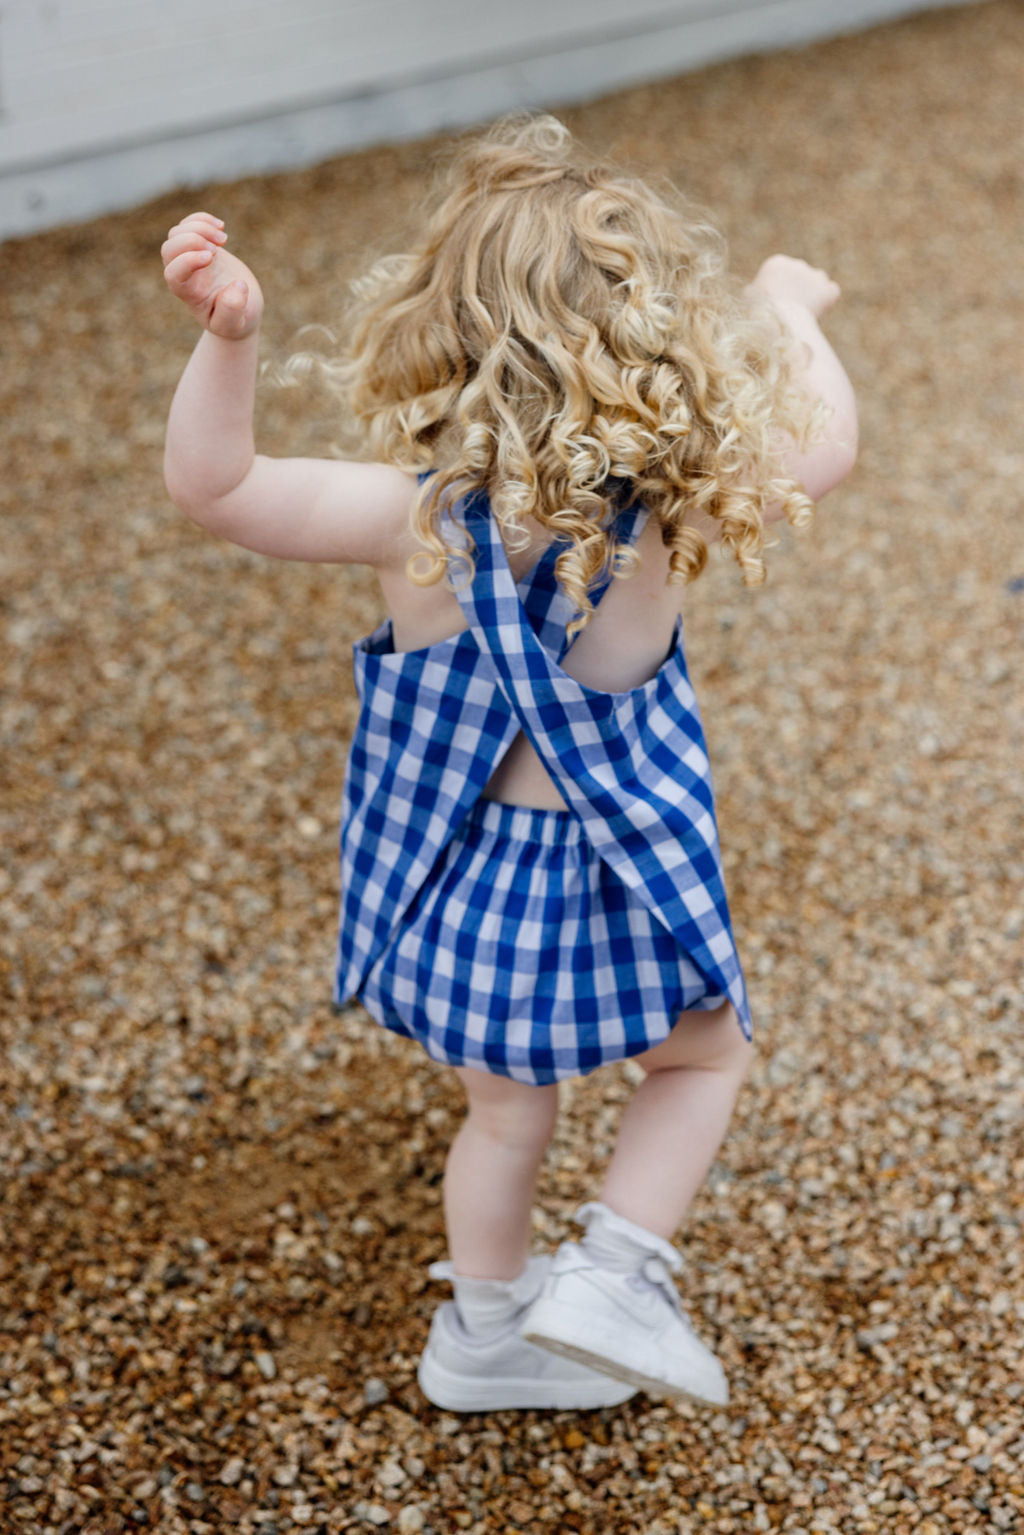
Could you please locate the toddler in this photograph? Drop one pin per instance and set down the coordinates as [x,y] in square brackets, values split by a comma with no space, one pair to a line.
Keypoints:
[566,402]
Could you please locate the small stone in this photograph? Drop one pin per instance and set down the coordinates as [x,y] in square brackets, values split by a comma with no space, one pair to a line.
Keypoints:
[410,1520]
[265,1364]
[375,1391]
[231,1471]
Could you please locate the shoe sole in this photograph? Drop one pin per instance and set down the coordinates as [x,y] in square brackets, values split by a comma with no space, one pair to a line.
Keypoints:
[553,1327]
[459,1393]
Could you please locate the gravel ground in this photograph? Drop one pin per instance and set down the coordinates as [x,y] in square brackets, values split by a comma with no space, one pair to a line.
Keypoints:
[220,1200]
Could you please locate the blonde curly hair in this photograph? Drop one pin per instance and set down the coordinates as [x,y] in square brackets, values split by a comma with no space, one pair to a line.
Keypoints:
[567,340]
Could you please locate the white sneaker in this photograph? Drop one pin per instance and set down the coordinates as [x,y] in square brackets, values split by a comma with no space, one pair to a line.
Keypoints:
[630,1325]
[467,1372]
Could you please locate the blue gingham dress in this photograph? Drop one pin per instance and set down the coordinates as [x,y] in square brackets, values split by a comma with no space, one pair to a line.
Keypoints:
[535,943]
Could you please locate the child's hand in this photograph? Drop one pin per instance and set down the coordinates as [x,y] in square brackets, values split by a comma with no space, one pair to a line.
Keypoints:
[789,280]
[219,289]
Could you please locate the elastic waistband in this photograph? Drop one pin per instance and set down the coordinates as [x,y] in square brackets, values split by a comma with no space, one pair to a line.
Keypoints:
[521,823]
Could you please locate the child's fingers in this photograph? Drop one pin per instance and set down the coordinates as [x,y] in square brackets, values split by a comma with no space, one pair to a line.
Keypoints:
[791,278]
[208,279]
[197,227]
[188,261]
[829,291]
[187,240]
[186,264]
[202,220]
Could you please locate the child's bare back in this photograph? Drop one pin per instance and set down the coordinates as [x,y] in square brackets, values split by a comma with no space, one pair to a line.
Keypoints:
[623,645]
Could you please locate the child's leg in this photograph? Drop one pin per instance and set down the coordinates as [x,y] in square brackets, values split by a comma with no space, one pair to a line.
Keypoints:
[610,1302]
[676,1121]
[475,1359]
[491,1173]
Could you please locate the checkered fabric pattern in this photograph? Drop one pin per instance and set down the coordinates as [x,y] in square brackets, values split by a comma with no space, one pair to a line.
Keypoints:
[632,766]
[526,955]
[433,726]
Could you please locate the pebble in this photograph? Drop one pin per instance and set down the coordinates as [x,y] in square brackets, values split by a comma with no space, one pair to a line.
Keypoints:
[373,1513]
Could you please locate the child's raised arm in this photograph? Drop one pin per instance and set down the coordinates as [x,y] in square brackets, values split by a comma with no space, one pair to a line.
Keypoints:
[802,295]
[293,508]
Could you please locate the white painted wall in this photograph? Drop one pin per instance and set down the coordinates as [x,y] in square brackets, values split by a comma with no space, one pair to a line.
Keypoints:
[106,102]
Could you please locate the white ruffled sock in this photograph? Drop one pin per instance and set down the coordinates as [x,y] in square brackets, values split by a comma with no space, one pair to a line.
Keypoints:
[488,1306]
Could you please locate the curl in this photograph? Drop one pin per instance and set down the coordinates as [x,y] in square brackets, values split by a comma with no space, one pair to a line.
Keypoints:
[566,339]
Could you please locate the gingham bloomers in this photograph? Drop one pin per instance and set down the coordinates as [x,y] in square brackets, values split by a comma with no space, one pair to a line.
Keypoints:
[539,944]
